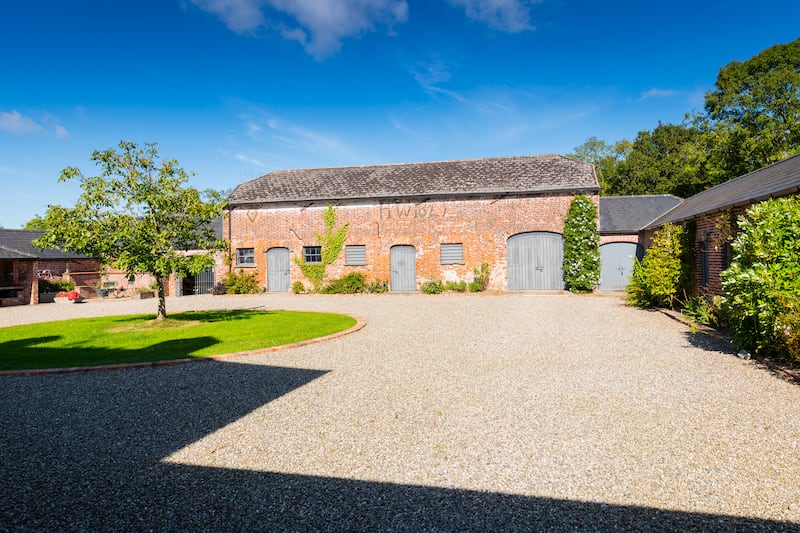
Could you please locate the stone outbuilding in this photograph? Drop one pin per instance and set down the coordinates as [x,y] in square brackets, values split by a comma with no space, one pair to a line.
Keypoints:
[413,222]
[710,217]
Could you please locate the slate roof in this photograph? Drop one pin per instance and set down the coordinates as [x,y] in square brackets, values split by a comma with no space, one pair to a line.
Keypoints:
[776,180]
[629,214]
[499,175]
[16,244]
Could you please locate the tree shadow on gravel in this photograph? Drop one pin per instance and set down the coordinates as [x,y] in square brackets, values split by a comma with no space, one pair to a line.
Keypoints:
[85,452]
[33,353]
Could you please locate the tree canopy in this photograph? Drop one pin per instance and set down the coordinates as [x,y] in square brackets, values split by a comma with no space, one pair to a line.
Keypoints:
[751,119]
[137,215]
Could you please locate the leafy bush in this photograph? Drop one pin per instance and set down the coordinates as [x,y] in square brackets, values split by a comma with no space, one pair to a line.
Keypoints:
[787,329]
[581,239]
[352,283]
[241,283]
[298,287]
[455,286]
[433,286]
[480,278]
[705,311]
[761,288]
[660,276]
[378,286]
[55,285]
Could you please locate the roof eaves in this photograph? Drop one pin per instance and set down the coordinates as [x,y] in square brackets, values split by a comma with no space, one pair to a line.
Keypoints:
[438,195]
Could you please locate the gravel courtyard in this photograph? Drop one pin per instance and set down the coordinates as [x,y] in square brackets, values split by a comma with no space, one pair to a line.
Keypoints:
[503,412]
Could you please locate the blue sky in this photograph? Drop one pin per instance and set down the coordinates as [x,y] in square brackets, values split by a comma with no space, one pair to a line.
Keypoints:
[233,89]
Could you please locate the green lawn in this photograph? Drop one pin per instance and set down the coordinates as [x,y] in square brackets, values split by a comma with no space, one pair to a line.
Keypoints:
[138,338]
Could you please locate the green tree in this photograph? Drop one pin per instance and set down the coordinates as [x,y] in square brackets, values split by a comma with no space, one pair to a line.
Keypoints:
[660,162]
[755,109]
[660,276]
[34,224]
[761,288]
[581,239]
[137,215]
[331,241]
[606,159]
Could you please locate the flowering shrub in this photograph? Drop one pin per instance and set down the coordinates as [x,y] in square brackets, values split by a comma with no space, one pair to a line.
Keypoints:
[69,295]
[581,253]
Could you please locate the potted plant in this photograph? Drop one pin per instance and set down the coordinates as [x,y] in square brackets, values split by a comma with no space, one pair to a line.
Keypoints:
[48,288]
[68,297]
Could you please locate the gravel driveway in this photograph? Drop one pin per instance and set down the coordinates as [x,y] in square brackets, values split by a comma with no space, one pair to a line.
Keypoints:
[454,412]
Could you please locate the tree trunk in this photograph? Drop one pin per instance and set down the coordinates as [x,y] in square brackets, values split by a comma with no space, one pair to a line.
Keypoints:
[162,303]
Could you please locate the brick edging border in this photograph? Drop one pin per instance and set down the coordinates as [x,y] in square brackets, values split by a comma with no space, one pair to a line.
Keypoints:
[360,323]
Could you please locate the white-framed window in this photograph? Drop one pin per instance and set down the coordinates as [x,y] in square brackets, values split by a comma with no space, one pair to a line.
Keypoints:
[355,254]
[245,257]
[312,254]
[452,254]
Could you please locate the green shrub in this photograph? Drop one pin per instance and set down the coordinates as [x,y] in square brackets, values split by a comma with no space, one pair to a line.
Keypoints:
[455,286]
[581,239]
[298,287]
[761,288]
[378,286]
[352,283]
[480,278]
[705,311]
[55,285]
[241,283]
[433,286]
[663,273]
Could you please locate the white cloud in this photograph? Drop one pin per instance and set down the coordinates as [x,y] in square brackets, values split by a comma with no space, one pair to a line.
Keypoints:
[250,160]
[61,132]
[659,93]
[17,124]
[318,25]
[512,16]
[241,16]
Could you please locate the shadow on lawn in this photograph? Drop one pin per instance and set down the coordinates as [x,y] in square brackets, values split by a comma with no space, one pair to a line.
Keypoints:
[86,452]
[33,353]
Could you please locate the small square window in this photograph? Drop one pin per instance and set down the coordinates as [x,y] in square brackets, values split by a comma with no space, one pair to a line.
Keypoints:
[245,257]
[452,254]
[312,254]
[355,254]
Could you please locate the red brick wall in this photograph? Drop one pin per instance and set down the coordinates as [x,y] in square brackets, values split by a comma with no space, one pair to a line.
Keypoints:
[605,239]
[711,230]
[482,225]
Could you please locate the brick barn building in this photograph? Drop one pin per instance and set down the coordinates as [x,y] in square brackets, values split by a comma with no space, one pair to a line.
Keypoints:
[710,216]
[409,223]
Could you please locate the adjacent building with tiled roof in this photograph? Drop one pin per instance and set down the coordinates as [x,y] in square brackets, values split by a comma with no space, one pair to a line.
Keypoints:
[710,216]
[409,223]
[627,215]
[21,263]
[621,220]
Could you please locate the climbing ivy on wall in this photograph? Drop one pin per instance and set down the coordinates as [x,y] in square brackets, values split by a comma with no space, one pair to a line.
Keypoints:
[331,241]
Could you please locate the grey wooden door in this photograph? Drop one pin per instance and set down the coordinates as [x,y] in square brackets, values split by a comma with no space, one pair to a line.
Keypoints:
[403,264]
[278,279]
[534,261]
[204,282]
[616,264]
